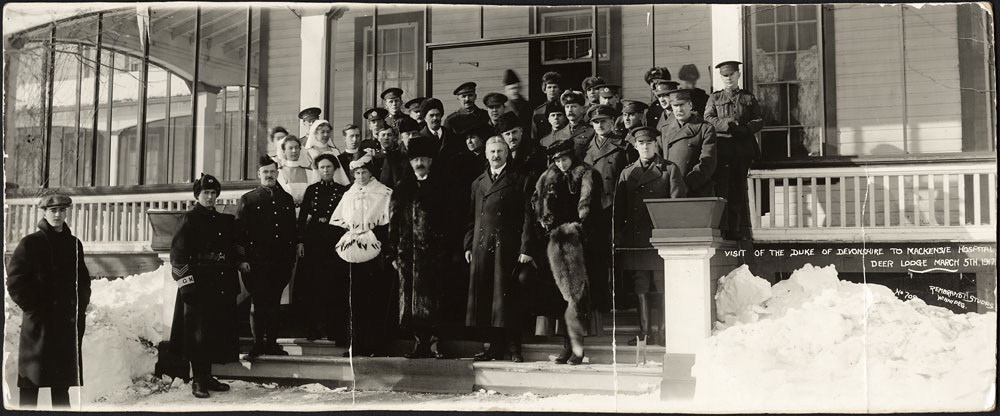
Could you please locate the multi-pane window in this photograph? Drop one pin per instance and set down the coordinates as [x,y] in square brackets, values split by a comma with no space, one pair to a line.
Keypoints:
[573,50]
[397,61]
[787,79]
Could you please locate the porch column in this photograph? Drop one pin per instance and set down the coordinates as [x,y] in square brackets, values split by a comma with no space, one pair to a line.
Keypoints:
[727,37]
[315,69]
[205,146]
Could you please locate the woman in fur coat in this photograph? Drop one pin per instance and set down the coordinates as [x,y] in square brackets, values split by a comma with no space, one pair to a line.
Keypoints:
[565,195]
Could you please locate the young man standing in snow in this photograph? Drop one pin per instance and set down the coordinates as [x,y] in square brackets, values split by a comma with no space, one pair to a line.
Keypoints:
[203,258]
[48,280]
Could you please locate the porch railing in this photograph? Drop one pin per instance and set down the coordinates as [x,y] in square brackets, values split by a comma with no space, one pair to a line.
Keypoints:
[953,201]
[113,221]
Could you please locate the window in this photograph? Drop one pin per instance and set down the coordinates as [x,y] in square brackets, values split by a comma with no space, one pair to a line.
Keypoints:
[787,79]
[397,61]
[575,50]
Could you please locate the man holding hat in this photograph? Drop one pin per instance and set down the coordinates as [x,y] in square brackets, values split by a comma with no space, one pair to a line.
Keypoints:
[661,109]
[203,259]
[608,153]
[495,107]
[392,99]
[689,142]
[550,86]
[419,214]
[466,94]
[48,279]
[376,120]
[308,116]
[649,177]
[270,241]
[578,130]
[632,116]
[525,157]
[737,117]
[515,101]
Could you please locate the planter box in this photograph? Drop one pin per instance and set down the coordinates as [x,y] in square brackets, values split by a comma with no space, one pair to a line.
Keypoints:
[668,213]
[164,223]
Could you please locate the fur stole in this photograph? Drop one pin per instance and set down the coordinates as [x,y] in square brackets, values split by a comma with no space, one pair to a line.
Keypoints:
[565,252]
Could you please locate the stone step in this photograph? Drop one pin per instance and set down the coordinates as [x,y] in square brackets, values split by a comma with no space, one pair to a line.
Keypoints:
[446,376]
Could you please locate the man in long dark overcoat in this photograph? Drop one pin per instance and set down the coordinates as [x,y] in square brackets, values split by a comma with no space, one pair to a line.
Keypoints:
[203,258]
[418,219]
[47,279]
[689,142]
[494,246]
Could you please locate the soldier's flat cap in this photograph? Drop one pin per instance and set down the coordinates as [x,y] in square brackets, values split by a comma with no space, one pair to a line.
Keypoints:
[573,97]
[421,146]
[680,96]
[265,160]
[407,125]
[54,200]
[663,87]
[510,77]
[311,112]
[560,148]
[728,67]
[507,122]
[644,134]
[601,111]
[377,113]
[608,90]
[414,104]
[494,99]
[633,106]
[392,93]
[465,88]
[591,82]
[206,182]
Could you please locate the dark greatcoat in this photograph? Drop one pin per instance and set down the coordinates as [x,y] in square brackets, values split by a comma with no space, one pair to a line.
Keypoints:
[475,112]
[654,113]
[418,221]
[691,146]
[699,98]
[321,279]
[395,167]
[47,279]
[581,134]
[529,160]
[540,126]
[205,324]
[449,144]
[662,179]
[522,109]
[496,238]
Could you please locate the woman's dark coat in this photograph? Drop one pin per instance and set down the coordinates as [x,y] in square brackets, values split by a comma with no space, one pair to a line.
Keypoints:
[47,279]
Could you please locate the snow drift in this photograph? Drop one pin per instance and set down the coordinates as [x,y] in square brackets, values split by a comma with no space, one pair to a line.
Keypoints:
[815,343]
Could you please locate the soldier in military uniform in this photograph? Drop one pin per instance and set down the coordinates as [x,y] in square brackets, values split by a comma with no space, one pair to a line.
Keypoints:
[525,156]
[550,86]
[466,94]
[203,255]
[608,154]
[495,107]
[322,276]
[376,120]
[689,142]
[308,116]
[649,177]
[610,94]
[267,233]
[578,130]
[655,111]
[515,101]
[413,108]
[557,119]
[632,116]
[392,99]
[662,90]
[737,118]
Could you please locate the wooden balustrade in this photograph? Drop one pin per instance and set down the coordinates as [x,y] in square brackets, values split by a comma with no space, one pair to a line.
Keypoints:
[105,218]
[926,202]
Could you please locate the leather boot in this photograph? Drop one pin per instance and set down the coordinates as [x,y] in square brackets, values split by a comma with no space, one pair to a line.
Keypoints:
[199,388]
[566,353]
[643,311]
[213,384]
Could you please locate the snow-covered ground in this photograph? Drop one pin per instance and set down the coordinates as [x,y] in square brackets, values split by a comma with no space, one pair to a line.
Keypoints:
[810,343]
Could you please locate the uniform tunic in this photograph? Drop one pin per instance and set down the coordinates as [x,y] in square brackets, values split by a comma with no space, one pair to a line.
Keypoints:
[540,126]
[475,112]
[691,146]
[581,134]
[737,118]
[203,257]
[48,280]
[321,283]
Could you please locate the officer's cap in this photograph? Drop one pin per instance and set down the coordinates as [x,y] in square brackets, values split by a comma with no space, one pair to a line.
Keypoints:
[414,104]
[466,88]
[311,112]
[265,160]
[728,67]
[633,106]
[644,134]
[56,200]
[494,99]
[656,72]
[392,93]
[662,87]
[601,111]
[680,96]
[608,90]
[377,113]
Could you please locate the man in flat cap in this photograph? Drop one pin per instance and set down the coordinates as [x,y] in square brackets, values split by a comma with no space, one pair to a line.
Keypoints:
[376,120]
[495,107]
[688,141]
[515,101]
[307,117]
[688,78]
[652,76]
[661,89]
[419,214]
[550,86]
[737,117]
[578,129]
[608,153]
[557,119]
[526,157]
[650,177]
[466,95]
[413,108]
[48,279]
[203,257]
[268,237]
[633,115]
[392,99]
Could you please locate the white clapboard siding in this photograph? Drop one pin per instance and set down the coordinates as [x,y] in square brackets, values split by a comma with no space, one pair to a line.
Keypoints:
[283,68]
[505,21]
[683,36]
[342,89]
[454,23]
[452,67]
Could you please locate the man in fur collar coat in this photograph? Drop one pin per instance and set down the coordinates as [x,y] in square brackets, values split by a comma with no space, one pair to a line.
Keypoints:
[418,220]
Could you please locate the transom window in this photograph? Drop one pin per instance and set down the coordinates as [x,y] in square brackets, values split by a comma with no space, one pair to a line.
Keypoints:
[575,50]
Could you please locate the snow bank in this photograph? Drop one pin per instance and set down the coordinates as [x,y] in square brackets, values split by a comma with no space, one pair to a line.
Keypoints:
[807,347]
[119,346]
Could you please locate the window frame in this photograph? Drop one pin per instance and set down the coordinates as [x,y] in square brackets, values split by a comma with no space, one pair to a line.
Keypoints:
[603,13]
